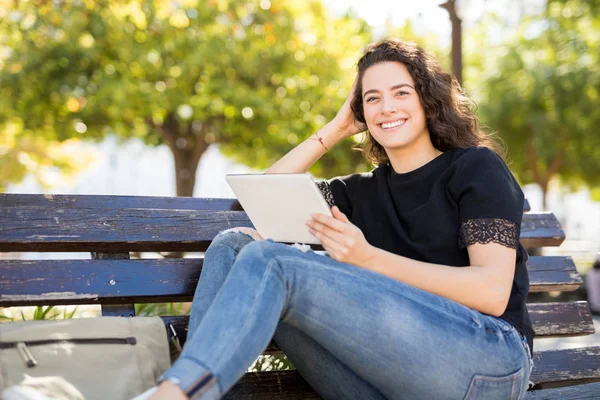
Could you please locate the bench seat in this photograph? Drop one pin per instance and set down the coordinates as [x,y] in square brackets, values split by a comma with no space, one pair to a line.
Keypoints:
[110,227]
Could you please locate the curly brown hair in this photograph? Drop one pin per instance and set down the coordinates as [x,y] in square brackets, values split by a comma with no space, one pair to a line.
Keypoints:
[449,113]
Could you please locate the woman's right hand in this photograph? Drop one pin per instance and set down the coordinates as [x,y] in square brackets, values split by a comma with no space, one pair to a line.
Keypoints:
[344,121]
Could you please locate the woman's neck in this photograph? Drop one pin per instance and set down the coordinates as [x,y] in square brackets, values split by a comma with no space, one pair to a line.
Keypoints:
[408,159]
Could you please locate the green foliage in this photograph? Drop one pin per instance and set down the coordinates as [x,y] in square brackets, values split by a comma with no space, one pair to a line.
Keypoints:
[270,362]
[48,161]
[258,81]
[540,92]
[40,313]
[187,74]
[161,309]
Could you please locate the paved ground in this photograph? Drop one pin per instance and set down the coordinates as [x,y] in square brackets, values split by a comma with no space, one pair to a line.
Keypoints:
[570,343]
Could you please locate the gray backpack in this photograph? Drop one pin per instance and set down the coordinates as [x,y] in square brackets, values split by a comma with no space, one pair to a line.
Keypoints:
[103,358]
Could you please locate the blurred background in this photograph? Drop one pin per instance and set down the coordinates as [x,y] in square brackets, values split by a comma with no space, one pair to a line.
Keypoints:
[165,97]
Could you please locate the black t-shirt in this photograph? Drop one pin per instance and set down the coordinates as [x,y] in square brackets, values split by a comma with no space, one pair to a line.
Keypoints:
[433,213]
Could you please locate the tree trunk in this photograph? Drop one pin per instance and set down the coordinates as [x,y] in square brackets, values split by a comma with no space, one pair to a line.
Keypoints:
[186,164]
[544,187]
[543,179]
[450,6]
[187,148]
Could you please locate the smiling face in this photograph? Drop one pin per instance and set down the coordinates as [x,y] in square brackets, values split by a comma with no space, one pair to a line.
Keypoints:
[392,108]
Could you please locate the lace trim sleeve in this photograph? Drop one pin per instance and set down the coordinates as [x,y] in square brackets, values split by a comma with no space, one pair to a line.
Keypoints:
[486,230]
[325,189]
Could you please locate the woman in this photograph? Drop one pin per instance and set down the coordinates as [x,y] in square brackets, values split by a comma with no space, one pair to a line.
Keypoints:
[422,294]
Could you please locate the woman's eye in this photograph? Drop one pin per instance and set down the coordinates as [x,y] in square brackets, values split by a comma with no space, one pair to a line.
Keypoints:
[369,99]
[401,93]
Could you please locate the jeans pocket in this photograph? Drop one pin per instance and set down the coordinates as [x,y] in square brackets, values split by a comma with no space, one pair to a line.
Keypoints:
[507,387]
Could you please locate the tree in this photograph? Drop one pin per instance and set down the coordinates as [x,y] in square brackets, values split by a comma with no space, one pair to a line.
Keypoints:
[540,93]
[48,161]
[252,76]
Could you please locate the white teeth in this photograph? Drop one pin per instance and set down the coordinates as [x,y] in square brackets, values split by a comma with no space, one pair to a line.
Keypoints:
[393,124]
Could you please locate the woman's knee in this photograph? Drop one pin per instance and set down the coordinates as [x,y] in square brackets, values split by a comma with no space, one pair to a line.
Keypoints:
[253,250]
[260,253]
[233,239]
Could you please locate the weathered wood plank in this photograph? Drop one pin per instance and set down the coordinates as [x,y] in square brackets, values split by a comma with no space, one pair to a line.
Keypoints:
[122,230]
[590,391]
[552,369]
[113,230]
[31,282]
[176,278]
[288,385]
[557,368]
[572,318]
[103,202]
[548,320]
[115,310]
[53,201]
[541,229]
[548,273]
[24,282]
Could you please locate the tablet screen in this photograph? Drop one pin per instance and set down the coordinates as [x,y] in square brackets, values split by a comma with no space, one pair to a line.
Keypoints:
[279,204]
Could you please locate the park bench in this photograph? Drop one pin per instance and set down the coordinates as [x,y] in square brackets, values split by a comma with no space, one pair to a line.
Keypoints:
[110,227]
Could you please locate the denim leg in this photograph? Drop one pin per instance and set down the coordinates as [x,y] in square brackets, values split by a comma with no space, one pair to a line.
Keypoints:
[218,260]
[405,342]
[327,375]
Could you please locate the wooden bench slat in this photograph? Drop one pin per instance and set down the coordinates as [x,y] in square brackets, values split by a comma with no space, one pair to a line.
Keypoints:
[54,282]
[27,282]
[553,368]
[103,202]
[548,273]
[274,385]
[54,201]
[572,318]
[143,229]
[541,229]
[548,320]
[557,368]
[113,230]
[290,385]
[590,391]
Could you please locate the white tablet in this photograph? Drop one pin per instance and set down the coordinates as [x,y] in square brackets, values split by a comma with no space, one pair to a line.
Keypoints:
[279,204]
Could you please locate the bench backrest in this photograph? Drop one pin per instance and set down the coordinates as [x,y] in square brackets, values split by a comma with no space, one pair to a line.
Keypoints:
[110,227]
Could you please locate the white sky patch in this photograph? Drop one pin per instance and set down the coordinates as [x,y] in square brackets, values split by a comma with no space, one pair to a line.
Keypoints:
[376,12]
[428,17]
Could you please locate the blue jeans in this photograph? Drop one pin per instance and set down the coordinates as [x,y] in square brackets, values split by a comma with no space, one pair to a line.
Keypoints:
[350,332]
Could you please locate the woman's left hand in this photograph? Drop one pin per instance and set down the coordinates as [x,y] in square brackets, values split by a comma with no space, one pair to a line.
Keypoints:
[342,240]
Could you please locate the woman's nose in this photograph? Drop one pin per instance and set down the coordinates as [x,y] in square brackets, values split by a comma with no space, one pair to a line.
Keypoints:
[388,106]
